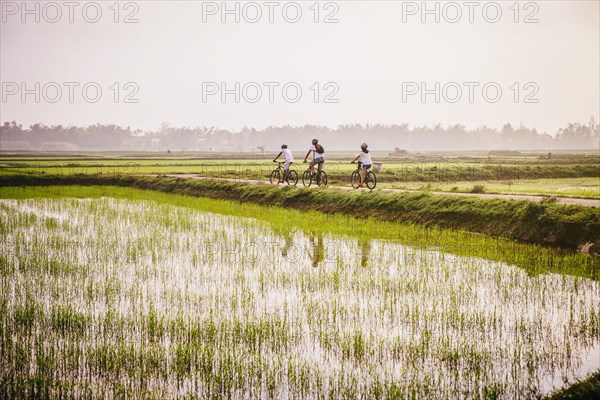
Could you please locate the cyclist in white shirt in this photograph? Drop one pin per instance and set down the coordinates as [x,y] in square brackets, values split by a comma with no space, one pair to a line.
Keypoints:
[318,155]
[289,160]
[365,158]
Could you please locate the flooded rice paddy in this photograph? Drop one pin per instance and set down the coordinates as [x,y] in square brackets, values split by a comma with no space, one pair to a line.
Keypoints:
[107,298]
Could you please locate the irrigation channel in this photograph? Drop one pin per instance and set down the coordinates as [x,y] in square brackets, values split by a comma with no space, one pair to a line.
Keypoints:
[112,297]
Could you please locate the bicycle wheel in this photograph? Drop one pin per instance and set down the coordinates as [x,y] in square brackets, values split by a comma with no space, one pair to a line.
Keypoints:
[292,178]
[322,179]
[355,179]
[274,178]
[371,180]
[306,178]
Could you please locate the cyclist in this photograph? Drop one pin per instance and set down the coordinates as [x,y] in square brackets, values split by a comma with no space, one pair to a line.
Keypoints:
[365,158]
[318,154]
[289,160]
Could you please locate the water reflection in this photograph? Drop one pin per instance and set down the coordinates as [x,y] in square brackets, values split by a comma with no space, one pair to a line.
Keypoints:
[288,244]
[211,299]
[365,251]
[318,250]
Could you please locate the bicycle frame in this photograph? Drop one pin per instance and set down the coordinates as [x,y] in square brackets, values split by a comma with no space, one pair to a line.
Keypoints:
[281,173]
[370,178]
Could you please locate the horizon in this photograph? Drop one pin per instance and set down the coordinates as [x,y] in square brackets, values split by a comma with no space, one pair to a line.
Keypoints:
[192,64]
[367,125]
[40,137]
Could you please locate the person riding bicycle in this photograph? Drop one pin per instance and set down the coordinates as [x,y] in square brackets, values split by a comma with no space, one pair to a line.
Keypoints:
[365,158]
[318,157]
[289,160]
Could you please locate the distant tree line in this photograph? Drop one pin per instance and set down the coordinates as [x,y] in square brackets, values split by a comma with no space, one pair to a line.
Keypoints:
[100,137]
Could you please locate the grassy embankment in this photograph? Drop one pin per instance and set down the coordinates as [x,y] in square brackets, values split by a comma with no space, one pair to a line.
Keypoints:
[586,188]
[523,221]
[572,176]
[519,220]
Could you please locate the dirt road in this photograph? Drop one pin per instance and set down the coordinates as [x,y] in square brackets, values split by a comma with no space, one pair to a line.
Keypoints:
[559,200]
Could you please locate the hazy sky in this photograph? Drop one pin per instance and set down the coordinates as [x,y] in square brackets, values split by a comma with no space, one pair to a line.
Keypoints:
[374,55]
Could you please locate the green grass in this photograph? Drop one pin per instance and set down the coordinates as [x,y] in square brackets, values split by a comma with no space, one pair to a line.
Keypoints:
[573,187]
[521,220]
[575,176]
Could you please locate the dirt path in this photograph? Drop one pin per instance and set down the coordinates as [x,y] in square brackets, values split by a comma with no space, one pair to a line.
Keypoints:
[560,200]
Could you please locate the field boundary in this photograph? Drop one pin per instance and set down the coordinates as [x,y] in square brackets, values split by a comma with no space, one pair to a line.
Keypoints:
[574,201]
[548,223]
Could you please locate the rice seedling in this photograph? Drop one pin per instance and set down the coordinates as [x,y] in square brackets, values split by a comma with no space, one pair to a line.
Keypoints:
[140,298]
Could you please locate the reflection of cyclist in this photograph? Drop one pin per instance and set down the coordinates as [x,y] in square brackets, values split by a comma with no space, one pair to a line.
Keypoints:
[365,250]
[365,158]
[289,160]
[318,250]
[318,156]
[287,245]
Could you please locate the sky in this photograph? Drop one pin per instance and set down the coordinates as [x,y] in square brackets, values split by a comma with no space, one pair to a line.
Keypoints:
[144,64]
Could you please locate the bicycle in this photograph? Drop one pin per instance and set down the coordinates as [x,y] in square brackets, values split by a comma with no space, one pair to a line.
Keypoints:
[308,177]
[370,178]
[290,179]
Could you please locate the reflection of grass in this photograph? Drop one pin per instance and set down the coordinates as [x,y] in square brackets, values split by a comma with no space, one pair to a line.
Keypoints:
[587,389]
[534,259]
[138,305]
